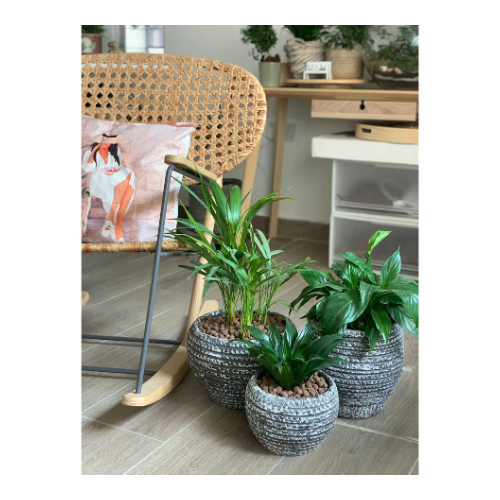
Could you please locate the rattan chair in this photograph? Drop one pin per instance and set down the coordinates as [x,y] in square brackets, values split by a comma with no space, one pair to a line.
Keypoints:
[229,106]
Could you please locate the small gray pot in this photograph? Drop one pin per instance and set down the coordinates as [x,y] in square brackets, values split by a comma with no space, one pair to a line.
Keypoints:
[366,381]
[291,427]
[222,367]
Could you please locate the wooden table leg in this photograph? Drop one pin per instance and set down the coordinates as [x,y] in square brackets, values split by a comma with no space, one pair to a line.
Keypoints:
[279,147]
[249,176]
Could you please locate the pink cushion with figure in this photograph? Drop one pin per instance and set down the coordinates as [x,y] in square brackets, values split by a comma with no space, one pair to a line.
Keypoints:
[123,178]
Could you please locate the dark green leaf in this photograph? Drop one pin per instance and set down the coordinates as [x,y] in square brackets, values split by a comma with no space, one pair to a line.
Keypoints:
[390,269]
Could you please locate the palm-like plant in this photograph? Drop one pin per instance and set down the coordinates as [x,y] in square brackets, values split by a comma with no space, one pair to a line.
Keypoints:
[243,268]
[363,300]
[293,357]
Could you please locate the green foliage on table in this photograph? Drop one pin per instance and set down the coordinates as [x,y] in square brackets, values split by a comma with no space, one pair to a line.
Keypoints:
[362,300]
[306,32]
[238,260]
[292,357]
[93,29]
[348,36]
[401,53]
[262,37]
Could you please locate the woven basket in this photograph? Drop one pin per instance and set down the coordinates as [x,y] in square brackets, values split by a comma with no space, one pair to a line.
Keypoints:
[346,63]
[299,53]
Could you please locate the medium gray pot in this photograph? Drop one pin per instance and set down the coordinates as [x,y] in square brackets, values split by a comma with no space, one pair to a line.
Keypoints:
[366,381]
[291,427]
[222,367]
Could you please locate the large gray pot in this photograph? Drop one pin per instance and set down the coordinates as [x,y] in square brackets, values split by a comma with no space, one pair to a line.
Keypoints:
[366,381]
[222,367]
[288,426]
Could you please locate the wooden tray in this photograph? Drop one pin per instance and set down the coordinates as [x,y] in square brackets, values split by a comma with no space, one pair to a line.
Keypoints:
[398,133]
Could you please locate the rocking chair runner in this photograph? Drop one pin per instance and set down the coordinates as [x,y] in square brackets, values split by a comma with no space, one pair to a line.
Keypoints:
[229,106]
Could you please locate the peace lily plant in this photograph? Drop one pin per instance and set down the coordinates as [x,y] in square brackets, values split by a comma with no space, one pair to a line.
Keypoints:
[363,300]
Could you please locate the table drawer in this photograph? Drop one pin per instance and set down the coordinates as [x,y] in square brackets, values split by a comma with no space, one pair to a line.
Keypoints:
[366,110]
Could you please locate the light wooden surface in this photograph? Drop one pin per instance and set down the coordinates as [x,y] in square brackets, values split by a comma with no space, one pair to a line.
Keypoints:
[249,177]
[85,298]
[343,94]
[364,110]
[181,161]
[279,150]
[319,81]
[387,133]
[185,432]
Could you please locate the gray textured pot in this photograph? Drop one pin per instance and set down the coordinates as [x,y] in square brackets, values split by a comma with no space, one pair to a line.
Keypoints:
[291,427]
[222,367]
[366,381]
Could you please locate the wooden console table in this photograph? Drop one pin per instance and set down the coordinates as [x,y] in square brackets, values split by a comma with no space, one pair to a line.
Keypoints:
[285,93]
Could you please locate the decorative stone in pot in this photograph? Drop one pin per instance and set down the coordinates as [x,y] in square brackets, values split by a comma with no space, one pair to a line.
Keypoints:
[366,381]
[222,367]
[346,63]
[291,426]
[299,53]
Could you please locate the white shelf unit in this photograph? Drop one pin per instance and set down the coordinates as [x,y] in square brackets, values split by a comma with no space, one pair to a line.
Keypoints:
[374,187]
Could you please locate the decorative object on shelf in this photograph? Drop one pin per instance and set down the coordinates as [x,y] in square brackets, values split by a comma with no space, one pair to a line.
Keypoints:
[399,133]
[318,68]
[264,38]
[345,51]
[242,265]
[391,55]
[305,46]
[292,406]
[111,46]
[371,313]
[92,38]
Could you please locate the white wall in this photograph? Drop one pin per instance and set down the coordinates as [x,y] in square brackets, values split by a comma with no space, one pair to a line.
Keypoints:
[309,178]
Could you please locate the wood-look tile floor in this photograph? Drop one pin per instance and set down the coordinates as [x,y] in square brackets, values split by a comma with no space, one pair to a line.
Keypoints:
[186,432]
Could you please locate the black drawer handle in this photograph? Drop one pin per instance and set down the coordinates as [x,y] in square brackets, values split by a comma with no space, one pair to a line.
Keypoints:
[362,105]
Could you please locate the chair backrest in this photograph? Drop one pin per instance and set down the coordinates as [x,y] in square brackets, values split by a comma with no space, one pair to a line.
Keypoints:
[226,101]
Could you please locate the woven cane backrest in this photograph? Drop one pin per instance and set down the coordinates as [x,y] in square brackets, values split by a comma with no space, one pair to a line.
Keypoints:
[226,101]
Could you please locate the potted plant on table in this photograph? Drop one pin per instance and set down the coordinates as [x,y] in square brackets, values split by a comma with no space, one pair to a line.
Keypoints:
[304,47]
[263,38]
[345,51]
[370,312]
[240,262]
[292,404]
[391,55]
[92,38]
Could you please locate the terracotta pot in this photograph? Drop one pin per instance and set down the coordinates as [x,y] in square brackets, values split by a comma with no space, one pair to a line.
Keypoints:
[222,367]
[347,64]
[291,427]
[366,381]
[91,43]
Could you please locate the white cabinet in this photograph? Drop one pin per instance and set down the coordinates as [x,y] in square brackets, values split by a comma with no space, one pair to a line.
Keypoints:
[374,187]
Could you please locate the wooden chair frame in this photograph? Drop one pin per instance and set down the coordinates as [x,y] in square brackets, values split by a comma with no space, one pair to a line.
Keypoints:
[229,106]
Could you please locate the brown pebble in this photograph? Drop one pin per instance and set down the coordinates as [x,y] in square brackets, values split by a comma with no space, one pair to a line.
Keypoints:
[284,394]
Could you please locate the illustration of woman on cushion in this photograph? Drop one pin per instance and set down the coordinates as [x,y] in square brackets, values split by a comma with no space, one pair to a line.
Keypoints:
[110,181]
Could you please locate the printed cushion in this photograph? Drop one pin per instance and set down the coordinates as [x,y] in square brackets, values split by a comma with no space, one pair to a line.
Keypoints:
[123,178]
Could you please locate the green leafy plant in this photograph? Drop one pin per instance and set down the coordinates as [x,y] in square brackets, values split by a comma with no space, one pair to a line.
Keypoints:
[362,300]
[291,358]
[401,53]
[238,260]
[306,32]
[93,29]
[263,38]
[347,36]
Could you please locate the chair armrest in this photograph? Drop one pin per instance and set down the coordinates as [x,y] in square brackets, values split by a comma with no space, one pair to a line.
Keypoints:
[181,162]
